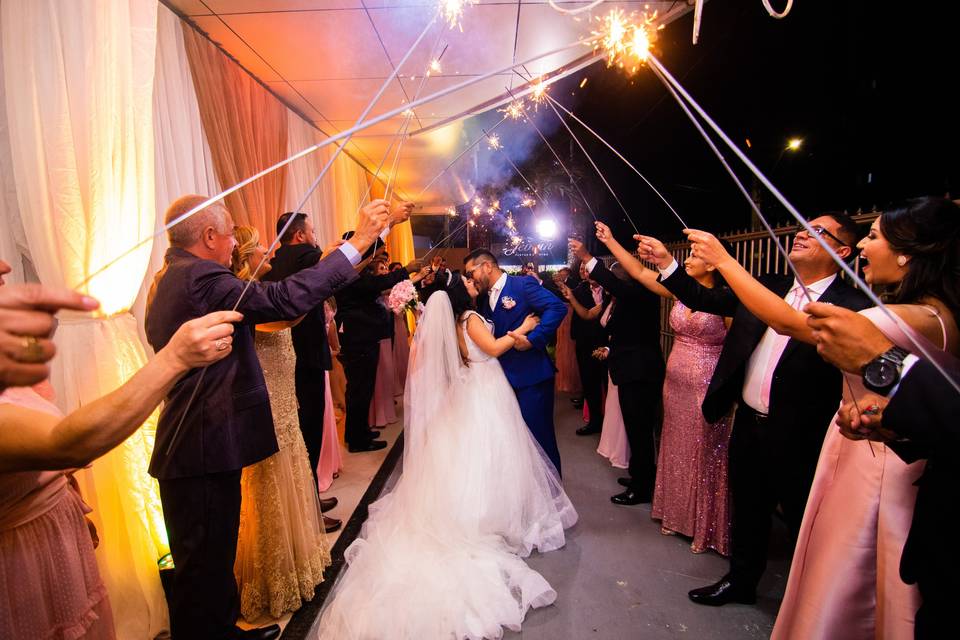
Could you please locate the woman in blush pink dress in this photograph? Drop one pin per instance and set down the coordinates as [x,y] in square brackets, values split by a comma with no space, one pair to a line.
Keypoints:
[691,495]
[382,408]
[330,460]
[614,445]
[401,345]
[844,579]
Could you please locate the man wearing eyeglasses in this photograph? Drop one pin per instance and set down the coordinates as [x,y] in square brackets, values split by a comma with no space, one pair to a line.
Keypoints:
[784,394]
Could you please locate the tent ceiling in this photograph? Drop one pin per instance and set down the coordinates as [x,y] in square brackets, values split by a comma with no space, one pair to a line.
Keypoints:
[328,58]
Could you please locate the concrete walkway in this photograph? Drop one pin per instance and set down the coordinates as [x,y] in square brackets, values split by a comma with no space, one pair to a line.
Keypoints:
[619,578]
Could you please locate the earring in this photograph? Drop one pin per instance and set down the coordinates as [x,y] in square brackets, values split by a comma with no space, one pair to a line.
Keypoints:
[902,260]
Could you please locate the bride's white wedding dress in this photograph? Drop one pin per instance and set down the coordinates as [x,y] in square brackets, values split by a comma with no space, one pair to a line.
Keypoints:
[440,555]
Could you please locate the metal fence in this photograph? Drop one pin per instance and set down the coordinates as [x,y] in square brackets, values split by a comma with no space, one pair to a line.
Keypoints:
[755,250]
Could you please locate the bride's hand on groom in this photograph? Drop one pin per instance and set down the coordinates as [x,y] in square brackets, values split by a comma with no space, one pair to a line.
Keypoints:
[529,324]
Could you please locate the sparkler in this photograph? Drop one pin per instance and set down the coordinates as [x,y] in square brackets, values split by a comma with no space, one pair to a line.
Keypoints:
[452,212]
[452,11]
[539,93]
[528,202]
[513,110]
[625,42]
[435,66]
[493,141]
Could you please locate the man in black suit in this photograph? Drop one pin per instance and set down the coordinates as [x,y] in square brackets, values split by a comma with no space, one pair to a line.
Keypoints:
[363,322]
[298,250]
[636,366]
[784,394]
[588,336]
[217,420]
[916,415]
[439,278]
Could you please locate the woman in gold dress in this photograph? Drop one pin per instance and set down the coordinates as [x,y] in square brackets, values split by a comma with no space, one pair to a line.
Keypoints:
[282,549]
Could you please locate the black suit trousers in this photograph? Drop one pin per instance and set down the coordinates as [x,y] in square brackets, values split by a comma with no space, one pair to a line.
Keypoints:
[360,368]
[311,397]
[767,468]
[640,406]
[202,515]
[593,375]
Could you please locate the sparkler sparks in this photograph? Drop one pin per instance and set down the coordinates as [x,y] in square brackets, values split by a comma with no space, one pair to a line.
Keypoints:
[408,113]
[435,66]
[452,212]
[514,110]
[476,211]
[626,41]
[515,240]
[528,202]
[452,11]
[538,95]
[493,141]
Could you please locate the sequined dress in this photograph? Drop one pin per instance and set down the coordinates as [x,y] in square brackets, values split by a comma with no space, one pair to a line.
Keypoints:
[692,495]
[282,549]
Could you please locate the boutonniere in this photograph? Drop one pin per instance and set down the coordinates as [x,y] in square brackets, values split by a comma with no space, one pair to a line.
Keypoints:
[508,302]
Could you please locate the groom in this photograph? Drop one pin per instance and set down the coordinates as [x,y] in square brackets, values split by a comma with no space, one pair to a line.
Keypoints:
[506,301]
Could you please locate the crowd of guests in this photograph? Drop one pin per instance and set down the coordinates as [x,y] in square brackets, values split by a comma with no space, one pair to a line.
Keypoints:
[781,396]
[773,405]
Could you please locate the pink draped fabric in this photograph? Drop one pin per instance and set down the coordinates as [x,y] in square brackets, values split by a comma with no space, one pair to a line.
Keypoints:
[330,459]
[382,408]
[613,435]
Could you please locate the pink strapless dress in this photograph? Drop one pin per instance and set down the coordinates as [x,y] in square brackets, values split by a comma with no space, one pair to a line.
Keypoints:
[382,408]
[692,493]
[844,580]
[50,586]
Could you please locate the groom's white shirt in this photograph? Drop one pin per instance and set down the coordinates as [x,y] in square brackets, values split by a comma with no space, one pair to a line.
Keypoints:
[495,290]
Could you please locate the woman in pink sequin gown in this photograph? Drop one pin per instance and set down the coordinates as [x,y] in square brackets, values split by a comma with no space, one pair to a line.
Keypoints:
[330,459]
[691,495]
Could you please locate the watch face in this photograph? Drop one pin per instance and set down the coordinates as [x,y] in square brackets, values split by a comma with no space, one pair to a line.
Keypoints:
[881,373]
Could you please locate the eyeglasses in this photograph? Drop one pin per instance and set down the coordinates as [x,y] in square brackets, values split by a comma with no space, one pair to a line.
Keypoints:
[469,274]
[820,230]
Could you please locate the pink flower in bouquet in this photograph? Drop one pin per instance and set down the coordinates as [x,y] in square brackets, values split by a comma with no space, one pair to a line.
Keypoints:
[402,295]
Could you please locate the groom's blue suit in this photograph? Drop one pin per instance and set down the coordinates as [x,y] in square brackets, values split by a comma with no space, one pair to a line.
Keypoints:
[530,373]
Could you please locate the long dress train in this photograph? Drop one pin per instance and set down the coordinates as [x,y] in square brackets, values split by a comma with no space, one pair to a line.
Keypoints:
[692,494]
[440,555]
[845,576]
[282,548]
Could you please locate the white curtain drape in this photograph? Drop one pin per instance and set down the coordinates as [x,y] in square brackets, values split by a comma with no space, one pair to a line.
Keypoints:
[78,82]
[13,242]
[182,157]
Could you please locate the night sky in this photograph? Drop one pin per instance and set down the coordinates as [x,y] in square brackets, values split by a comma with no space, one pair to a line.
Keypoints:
[868,90]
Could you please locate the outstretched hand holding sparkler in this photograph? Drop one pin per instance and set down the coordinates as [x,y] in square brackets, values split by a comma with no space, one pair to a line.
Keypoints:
[705,246]
[652,250]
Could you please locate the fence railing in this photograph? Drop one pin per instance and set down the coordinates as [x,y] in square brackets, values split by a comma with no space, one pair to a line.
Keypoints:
[757,253]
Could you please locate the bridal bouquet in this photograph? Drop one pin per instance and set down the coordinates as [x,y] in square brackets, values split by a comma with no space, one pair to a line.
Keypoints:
[402,296]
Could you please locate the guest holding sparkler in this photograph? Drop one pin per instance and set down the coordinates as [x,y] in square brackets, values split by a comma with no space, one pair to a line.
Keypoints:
[217,420]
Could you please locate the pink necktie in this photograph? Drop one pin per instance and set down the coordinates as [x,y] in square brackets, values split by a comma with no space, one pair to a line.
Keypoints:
[776,352]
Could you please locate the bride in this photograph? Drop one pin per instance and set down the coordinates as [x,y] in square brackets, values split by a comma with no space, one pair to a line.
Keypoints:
[440,555]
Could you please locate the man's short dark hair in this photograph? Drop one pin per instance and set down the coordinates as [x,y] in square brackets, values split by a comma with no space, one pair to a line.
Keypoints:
[482,255]
[849,231]
[299,224]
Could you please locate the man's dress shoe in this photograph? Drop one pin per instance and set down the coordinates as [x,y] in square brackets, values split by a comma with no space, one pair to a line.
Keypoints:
[722,593]
[373,445]
[625,481]
[326,504]
[631,497]
[260,633]
[331,524]
[588,430]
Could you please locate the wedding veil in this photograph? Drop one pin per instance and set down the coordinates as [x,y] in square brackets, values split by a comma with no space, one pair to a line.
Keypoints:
[434,367]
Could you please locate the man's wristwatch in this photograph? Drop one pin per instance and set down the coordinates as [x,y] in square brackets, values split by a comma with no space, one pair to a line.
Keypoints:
[881,374]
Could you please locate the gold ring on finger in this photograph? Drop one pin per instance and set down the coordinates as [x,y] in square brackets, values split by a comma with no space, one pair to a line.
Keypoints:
[32,350]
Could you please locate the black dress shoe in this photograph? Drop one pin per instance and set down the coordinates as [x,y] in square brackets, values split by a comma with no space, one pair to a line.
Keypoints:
[331,524]
[625,481]
[260,633]
[631,497]
[588,430]
[577,403]
[326,504]
[373,445]
[722,593]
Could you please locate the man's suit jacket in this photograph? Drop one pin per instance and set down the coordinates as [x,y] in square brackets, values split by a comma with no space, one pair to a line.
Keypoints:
[361,319]
[229,424]
[924,410]
[310,334]
[588,334]
[533,366]
[634,329]
[805,390]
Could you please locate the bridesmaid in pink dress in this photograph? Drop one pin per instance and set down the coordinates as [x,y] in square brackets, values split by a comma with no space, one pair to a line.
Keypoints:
[401,345]
[330,460]
[382,408]
[691,495]
[614,445]
[50,586]
[844,580]
[568,374]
